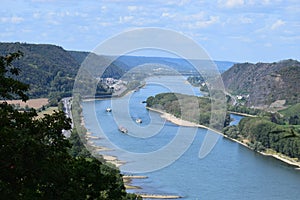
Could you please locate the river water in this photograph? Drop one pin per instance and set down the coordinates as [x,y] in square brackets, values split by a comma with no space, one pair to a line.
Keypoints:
[229,171]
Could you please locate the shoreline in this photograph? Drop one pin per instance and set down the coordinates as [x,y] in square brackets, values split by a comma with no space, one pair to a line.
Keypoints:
[115,96]
[241,114]
[159,196]
[181,122]
[98,149]
[127,179]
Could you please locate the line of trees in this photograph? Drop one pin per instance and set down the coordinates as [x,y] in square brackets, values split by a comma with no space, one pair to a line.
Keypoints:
[270,131]
[35,159]
[190,108]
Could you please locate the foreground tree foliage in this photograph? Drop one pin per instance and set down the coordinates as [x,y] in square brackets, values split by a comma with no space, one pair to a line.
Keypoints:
[34,158]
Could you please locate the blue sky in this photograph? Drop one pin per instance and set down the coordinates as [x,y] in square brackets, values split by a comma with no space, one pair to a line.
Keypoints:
[234,30]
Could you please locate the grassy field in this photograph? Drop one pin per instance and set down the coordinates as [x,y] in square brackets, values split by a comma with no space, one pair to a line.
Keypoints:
[32,103]
[36,104]
[291,111]
[48,111]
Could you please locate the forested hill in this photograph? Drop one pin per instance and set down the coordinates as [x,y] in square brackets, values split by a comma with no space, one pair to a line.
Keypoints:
[50,70]
[265,82]
[116,68]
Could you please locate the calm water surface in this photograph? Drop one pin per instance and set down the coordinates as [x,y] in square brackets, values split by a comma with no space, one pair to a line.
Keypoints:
[230,171]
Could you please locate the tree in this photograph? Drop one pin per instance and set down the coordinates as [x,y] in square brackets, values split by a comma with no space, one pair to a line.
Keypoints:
[34,158]
[9,87]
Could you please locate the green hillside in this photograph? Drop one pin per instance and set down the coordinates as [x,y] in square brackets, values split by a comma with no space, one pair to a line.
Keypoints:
[291,111]
[190,108]
[47,68]
[50,70]
[292,114]
[265,83]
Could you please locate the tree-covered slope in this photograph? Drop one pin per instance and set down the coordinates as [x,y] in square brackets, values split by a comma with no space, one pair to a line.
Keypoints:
[190,108]
[47,68]
[50,70]
[261,133]
[265,82]
[34,158]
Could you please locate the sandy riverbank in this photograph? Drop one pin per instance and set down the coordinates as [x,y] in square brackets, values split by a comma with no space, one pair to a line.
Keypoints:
[95,148]
[242,114]
[99,149]
[181,122]
[157,196]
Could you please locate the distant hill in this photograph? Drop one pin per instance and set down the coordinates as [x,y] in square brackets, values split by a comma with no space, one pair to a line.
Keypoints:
[116,68]
[265,82]
[178,64]
[47,68]
[50,70]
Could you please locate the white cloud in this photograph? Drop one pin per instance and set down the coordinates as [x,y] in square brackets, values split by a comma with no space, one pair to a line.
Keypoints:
[132,8]
[194,17]
[262,2]
[203,23]
[231,3]
[177,2]
[277,24]
[26,30]
[36,15]
[212,20]
[105,24]
[246,20]
[266,1]
[14,19]
[83,28]
[242,39]
[103,8]
[184,2]
[53,22]
[125,19]
[238,20]
[168,15]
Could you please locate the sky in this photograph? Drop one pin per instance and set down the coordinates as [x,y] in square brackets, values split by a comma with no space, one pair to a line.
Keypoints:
[228,30]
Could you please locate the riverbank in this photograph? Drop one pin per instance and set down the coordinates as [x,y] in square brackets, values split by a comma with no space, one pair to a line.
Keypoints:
[242,114]
[127,179]
[99,149]
[158,196]
[181,122]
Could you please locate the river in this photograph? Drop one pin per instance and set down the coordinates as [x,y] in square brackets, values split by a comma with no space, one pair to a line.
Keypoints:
[229,171]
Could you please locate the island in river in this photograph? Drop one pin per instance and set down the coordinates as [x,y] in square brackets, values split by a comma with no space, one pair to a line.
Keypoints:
[267,133]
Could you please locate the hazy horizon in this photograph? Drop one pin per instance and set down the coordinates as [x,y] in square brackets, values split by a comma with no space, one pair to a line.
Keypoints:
[229,30]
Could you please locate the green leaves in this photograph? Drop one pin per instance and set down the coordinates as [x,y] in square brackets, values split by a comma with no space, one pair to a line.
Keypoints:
[262,133]
[34,158]
[9,87]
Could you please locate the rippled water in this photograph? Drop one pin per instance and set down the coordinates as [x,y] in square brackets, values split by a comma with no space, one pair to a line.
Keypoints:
[230,171]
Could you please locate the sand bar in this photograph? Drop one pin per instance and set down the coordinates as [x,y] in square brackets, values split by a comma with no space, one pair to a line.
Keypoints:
[134,177]
[181,122]
[158,196]
[242,114]
[92,137]
[113,160]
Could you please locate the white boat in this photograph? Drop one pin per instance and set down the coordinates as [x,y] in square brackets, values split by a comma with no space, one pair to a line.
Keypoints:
[123,129]
[139,121]
[108,109]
